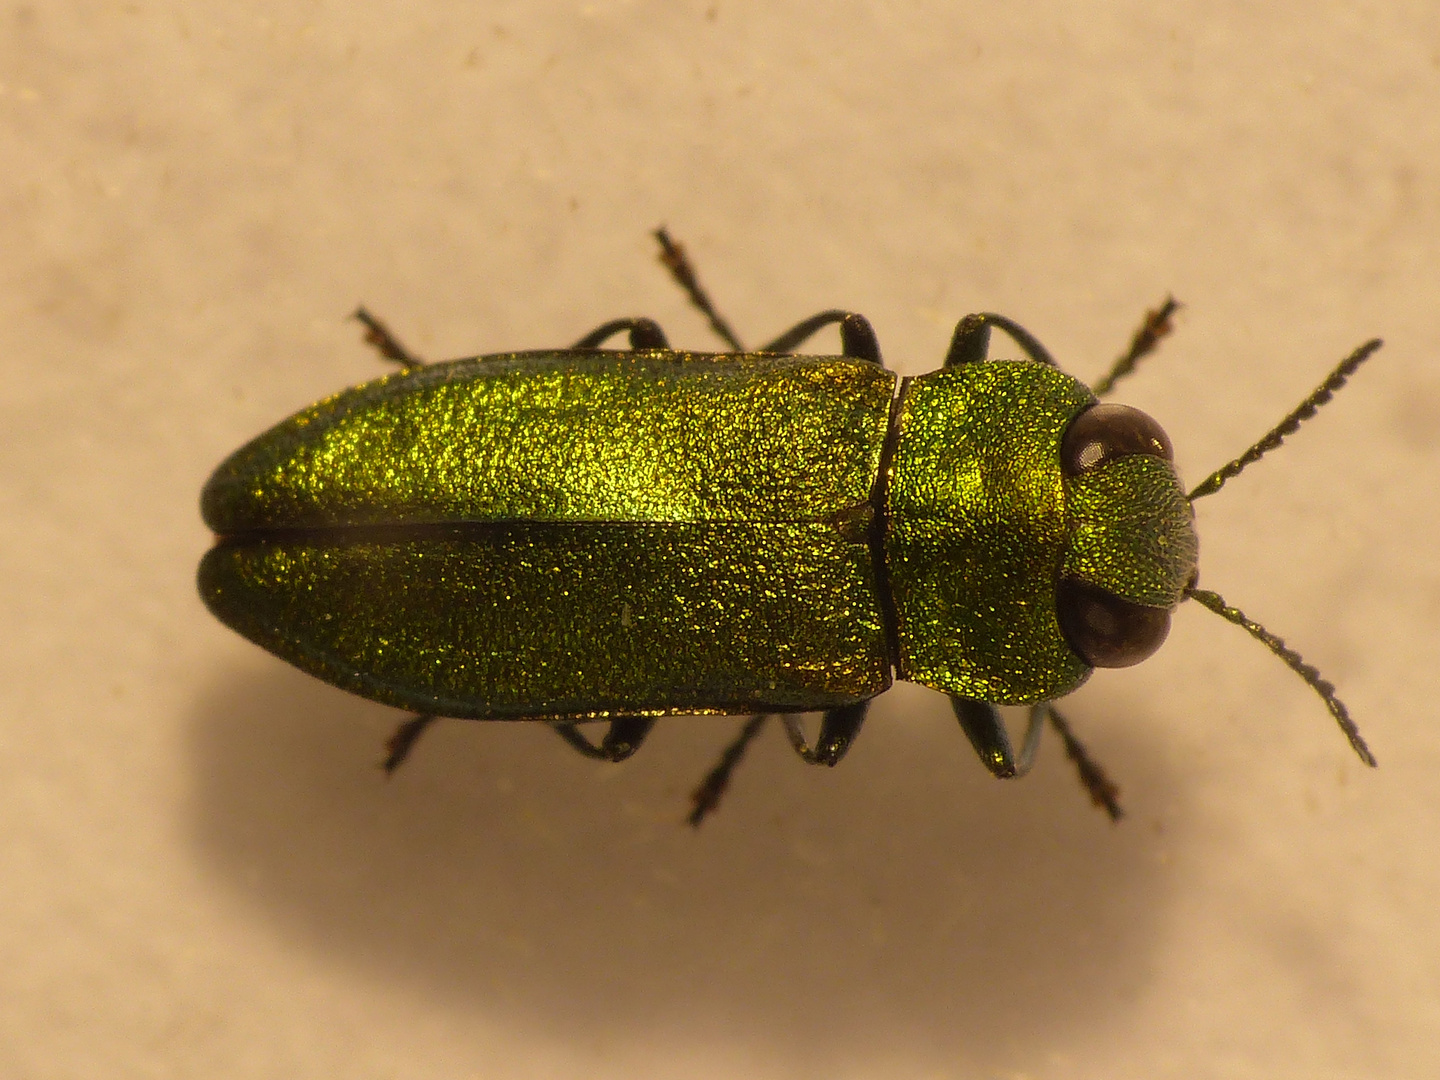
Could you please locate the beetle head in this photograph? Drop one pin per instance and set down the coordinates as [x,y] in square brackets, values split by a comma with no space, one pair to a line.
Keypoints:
[1132,547]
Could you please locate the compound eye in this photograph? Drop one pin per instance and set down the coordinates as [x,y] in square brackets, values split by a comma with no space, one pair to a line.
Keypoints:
[1103,433]
[1106,630]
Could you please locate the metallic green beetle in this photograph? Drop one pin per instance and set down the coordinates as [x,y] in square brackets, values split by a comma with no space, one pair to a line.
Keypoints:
[589,534]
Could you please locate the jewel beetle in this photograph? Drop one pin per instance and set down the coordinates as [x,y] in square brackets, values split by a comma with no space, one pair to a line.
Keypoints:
[592,534]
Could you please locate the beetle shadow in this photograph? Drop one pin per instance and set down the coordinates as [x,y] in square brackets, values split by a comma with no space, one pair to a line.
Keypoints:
[903,906]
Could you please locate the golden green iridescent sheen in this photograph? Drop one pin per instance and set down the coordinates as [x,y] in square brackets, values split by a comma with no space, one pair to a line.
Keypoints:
[978,531]
[569,436]
[1132,531]
[586,533]
[539,619]
[568,534]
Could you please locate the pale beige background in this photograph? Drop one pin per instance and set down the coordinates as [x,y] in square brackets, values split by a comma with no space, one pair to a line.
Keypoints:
[202,874]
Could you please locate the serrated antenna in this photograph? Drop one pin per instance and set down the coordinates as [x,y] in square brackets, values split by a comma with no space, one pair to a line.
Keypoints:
[1216,603]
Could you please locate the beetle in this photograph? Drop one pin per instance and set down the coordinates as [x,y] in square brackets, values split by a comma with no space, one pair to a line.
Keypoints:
[592,534]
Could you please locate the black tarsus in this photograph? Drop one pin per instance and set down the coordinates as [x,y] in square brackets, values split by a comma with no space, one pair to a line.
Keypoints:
[1156,325]
[674,259]
[379,335]
[1103,791]
[857,337]
[706,797]
[402,741]
[985,729]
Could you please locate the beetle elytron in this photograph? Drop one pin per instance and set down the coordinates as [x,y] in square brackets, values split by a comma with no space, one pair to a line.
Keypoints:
[591,534]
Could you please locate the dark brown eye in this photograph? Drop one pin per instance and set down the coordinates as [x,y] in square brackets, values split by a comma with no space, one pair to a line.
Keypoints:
[1103,433]
[1105,630]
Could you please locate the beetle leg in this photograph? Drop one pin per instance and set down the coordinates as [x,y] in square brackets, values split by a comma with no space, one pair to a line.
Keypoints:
[644,334]
[857,336]
[673,256]
[971,341]
[1155,326]
[837,732]
[399,745]
[622,738]
[1103,791]
[379,335]
[986,731]
[706,797]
